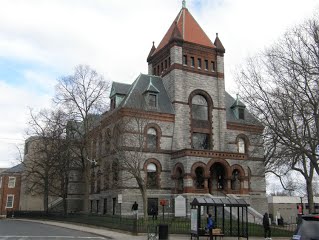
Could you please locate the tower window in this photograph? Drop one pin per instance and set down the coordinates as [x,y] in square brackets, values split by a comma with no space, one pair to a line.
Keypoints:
[206,64]
[169,61]
[199,63]
[185,60]
[165,64]
[200,141]
[162,69]
[213,66]
[199,108]
[158,70]
[192,62]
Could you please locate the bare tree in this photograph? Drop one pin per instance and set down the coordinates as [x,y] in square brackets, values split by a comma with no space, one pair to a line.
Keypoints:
[127,148]
[46,159]
[281,88]
[83,95]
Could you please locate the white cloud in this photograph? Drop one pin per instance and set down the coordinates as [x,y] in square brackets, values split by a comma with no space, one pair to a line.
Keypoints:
[115,38]
[14,105]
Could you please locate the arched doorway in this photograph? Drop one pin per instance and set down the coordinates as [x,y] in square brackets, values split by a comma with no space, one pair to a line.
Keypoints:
[217,178]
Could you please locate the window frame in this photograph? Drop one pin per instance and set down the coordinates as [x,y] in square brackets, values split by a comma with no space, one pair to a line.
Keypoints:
[152,175]
[149,97]
[151,146]
[199,63]
[241,144]
[241,113]
[185,60]
[213,66]
[12,204]
[192,62]
[10,184]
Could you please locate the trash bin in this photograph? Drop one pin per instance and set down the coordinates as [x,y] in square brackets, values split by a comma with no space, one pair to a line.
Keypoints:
[163,231]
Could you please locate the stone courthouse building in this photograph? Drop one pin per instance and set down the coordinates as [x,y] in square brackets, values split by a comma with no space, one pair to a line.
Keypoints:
[198,139]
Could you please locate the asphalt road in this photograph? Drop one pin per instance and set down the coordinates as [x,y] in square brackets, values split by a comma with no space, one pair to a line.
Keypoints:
[20,230]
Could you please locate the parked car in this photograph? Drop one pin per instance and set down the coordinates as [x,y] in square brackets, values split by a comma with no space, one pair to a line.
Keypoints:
[308,228]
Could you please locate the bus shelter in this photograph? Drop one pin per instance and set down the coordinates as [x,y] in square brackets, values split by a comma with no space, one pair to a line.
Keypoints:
[229,215]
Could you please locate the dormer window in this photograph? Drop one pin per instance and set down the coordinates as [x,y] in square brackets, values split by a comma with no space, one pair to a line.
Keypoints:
[151,95]
[241,113]
[152,100]
[239,109]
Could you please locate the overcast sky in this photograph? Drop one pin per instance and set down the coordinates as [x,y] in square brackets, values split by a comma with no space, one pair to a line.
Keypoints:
[41,40]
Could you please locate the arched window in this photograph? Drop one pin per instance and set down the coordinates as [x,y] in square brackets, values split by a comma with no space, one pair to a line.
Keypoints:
[199,108]
[235,182]
[199,182]
[180,181]
[151,139]
[201,105]
[241,145]
[151,175]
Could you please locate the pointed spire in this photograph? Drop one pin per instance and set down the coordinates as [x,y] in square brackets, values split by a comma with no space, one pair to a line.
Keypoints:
[176,34]
[188,30]
[152,51]
[184,4]
[219,44]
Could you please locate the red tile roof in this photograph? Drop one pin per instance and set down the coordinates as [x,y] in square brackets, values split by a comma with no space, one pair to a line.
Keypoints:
[186,28]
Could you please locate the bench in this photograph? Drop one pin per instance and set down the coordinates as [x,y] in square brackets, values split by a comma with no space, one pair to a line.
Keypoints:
[216,233]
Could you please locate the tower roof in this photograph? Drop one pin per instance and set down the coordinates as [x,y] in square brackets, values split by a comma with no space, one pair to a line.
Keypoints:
[185,28]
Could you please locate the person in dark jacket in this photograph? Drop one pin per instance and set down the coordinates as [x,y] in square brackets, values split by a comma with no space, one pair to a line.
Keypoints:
[266,225]
[135,209]
[210,226]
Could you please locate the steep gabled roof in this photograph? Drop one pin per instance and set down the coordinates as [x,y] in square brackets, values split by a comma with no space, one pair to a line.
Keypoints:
[185,28]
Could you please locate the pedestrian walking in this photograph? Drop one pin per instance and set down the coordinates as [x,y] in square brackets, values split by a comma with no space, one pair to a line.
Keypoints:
[135,209]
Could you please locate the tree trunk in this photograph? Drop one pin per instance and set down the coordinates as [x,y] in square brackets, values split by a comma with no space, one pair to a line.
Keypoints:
[86,189]
[145,204]
[46,196]
[65,194]
[310,197]
[143,190]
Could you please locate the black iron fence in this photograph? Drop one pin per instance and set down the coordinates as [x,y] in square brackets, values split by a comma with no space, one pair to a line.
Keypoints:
[135,226]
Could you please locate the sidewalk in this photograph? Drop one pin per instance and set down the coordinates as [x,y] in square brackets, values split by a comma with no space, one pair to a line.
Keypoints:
[117,235]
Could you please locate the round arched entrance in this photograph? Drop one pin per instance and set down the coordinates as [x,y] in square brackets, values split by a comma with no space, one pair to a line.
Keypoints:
[217,178]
